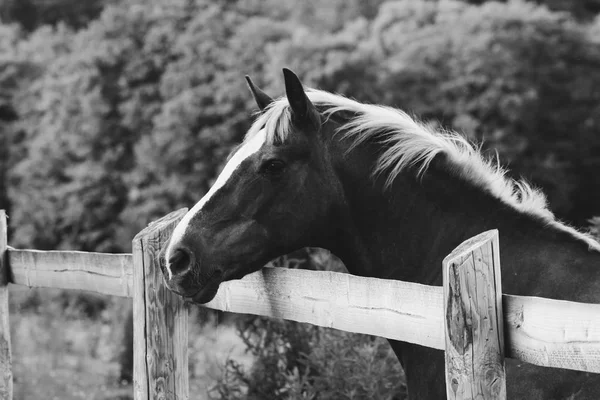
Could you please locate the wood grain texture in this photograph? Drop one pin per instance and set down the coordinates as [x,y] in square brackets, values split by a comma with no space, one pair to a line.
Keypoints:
[160,320]
[540,331]
[544,332]
[110,274]
[392,309]
[6,379]
[553,333]
[473,320]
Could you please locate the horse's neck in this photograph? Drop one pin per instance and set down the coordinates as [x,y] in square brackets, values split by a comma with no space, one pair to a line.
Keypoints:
[404,232]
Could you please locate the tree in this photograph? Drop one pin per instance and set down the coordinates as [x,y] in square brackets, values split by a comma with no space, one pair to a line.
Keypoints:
[205,109]
[516,76]
[96,93]
[581,9]
[31,14]
[13,72]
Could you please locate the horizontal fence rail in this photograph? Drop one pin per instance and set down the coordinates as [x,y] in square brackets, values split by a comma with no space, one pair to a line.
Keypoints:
[540,331]
[103,273]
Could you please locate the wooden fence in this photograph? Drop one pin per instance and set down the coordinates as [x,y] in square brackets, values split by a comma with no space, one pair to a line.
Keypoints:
[468,317]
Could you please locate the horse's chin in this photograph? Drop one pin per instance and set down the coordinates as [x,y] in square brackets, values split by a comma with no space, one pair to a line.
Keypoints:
[205,294]
[209,291]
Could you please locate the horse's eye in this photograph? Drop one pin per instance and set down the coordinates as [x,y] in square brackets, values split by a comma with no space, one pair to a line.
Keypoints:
[273,167]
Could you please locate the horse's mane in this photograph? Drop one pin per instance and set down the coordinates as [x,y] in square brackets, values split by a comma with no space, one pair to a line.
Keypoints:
[413,144]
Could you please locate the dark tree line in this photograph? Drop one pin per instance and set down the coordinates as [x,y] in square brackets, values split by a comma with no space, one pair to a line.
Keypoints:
[111,124]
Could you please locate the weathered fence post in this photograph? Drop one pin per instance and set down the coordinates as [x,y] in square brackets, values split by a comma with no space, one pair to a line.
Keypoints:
[160,320]
[6,382]
[473,320]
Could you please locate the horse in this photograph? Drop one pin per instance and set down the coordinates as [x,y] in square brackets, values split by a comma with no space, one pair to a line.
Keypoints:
[391,197]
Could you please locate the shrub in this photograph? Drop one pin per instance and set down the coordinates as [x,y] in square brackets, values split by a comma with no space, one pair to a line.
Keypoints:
[302,361]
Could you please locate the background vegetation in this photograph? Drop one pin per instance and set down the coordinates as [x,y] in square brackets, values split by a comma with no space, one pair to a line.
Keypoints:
[115,113]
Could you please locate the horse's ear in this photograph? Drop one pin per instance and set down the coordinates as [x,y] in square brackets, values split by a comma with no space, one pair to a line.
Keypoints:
[303,110]
[262,99]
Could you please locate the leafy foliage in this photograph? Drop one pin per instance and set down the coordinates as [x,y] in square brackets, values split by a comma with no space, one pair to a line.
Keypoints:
[584,9]
[514,76]
[31,14]
[132,116]
[302,361]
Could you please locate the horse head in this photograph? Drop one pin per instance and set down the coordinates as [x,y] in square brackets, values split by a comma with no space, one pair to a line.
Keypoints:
[272,197]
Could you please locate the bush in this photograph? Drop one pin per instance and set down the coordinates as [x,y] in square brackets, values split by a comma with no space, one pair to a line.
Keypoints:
[302,361]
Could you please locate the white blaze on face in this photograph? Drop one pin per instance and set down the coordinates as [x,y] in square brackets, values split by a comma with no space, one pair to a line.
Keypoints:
[251,147]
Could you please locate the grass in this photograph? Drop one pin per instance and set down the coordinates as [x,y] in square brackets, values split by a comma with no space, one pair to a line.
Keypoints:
[59,351]
[66,345]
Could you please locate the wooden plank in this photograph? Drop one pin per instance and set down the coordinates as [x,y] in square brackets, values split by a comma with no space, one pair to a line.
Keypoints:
[393,309]
[110,274]
[414,313]
[6,379]
[473,320]
[160,366]
[540,331]
[553,333]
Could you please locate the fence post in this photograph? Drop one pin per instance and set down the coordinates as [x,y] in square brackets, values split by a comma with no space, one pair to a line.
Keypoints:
[474,320]
[6,381]
[160,320]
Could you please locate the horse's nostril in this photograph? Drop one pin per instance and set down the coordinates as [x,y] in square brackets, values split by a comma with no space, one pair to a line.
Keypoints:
[179,262]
